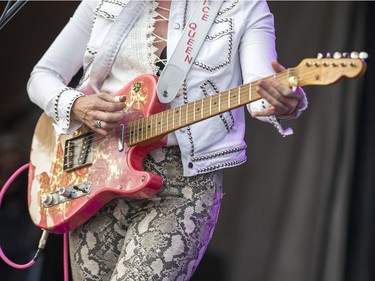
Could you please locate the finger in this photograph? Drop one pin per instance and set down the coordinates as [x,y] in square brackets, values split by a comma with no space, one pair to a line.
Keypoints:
[87,108]
[103,128]
[276,66]
[270,93]
[109,102]
[285,91]
[109,117]
[280,103]
[104,125]
[111,98]
[120,98]
[265,112]
[275,88]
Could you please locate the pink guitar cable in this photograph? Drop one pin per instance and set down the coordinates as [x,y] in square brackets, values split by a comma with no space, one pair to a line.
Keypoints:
[43,239]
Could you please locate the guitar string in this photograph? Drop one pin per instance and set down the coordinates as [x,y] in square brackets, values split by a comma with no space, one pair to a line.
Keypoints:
[190,114]
[163,129]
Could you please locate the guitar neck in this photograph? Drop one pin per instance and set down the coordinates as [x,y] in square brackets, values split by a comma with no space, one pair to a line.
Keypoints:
[162,123]
[321,71]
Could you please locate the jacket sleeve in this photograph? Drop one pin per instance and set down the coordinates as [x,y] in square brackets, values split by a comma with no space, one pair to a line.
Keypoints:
[257,50]
[47,86]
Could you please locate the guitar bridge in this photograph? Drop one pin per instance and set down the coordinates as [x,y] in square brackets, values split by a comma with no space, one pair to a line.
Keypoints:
[64,194]
[77,152]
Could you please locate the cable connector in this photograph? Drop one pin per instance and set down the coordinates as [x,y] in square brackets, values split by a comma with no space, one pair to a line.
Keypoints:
[42,244]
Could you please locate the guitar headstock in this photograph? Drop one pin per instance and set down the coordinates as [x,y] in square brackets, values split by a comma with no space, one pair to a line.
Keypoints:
[329,69]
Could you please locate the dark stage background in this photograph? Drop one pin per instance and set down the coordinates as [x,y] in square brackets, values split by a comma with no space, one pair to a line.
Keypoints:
[302,208]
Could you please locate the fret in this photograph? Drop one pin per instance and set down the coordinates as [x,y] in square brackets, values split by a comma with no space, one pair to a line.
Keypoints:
[187,113]
[130,128]
[215,106]
[167,119]
[202,110]
[129,134]
[156,124]
[250,93]
[173,120]
[239,95]
[182,122]
[219,102]
[170,111]
[142,129]
[193,111]
[233,97]
[133,131]
[146,128]
[229,99]
[210,105]
[161,122]
[180,112]
[150,125]
[137,130]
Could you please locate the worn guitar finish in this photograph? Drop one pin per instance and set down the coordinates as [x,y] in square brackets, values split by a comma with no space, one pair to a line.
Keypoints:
[72,176]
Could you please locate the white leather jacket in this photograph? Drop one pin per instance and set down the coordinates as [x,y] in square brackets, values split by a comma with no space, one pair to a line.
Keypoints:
[238,49]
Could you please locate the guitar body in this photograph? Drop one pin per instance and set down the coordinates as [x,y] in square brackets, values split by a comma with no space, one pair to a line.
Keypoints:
[60,198]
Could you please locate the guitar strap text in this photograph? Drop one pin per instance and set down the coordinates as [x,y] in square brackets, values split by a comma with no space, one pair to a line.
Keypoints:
[187,49]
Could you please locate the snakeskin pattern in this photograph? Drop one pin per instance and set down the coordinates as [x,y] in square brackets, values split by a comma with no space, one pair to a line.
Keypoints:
[162,238]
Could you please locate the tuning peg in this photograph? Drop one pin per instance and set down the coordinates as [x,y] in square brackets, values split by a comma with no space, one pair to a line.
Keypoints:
[337,55]
[345,55]
[363,55]
[354,55]
[320,56]
[329,55]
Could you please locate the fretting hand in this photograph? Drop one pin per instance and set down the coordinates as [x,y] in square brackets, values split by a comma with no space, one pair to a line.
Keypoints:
[284,101]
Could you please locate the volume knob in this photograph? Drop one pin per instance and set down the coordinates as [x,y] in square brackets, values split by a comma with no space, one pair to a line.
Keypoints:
[47,200]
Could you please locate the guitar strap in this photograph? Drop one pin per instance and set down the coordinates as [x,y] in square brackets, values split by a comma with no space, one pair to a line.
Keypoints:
[187,49]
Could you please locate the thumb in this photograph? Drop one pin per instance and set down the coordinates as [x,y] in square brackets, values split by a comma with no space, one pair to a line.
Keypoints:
[277,67]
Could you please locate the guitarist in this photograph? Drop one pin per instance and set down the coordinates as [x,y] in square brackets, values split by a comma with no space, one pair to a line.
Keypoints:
[163,237]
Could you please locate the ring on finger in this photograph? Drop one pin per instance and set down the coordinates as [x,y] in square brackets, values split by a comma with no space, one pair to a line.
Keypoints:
[98,124]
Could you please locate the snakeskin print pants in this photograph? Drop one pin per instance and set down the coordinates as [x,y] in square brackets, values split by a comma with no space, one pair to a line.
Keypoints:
[162,238]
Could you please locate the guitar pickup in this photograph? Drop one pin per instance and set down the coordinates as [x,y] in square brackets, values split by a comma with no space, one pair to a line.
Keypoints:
[65,194]
[78,152]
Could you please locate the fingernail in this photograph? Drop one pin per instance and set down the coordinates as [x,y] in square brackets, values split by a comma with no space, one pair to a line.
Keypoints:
[120,98]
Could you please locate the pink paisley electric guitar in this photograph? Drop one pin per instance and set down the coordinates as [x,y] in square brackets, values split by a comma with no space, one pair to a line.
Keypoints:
[73,176]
